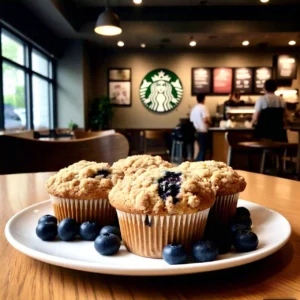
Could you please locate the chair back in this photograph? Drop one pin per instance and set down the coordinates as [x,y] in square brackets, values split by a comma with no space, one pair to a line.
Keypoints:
[19,155]
[79,134]
[270,124]
[26,134]
[155,143]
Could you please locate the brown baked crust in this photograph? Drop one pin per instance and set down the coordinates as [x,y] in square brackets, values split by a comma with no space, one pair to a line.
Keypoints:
[138,194]
[134,163]
[78,182]
[224,178]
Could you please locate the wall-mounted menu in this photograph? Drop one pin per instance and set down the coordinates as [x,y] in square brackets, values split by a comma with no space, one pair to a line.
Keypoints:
[286,67]
[260,77]
[201,81]
[243,80]
[222,80]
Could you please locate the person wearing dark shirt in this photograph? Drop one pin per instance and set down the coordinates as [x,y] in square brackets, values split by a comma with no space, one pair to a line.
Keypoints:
[233,101]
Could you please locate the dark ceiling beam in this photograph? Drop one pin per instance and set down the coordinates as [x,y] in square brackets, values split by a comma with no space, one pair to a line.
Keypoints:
[191,13]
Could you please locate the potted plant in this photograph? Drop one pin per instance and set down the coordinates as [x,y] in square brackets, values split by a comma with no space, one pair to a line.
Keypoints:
[100,113]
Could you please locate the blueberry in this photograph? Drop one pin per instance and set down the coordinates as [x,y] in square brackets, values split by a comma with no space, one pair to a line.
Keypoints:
[107,244]
[242,212]
[47,218]
[241,220]
[111,229]
[234,228]
[89,230]
[46,231]
[221,235]
[205,251]
[245,241]
[103,173]
[67,229]
[174,254]
[169,185]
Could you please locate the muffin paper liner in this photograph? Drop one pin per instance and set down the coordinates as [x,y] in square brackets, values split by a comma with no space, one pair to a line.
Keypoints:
[84,210]
[146,235]
[223,209]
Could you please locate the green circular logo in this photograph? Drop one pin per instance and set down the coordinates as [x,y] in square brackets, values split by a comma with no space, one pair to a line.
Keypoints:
[161,90]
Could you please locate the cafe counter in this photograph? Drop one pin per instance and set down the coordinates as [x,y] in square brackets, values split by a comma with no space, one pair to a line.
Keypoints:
[219,143]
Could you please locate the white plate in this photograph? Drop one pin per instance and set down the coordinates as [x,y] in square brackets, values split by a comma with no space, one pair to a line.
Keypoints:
[273,231]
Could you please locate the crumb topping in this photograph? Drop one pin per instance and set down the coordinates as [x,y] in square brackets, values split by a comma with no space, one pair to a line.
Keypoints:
[82,180]
[224,178]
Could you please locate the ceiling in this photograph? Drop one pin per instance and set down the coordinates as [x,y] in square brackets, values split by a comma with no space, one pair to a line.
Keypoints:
[171,23]
[97,3]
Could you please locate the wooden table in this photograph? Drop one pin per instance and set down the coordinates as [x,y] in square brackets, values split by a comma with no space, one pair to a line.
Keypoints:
[277,276]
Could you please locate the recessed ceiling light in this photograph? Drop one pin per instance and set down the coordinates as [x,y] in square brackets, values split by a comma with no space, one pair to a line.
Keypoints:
[245,43]
[137,1]
[121,43]
[143,45]
[193,43]
[292,43]
[264,1]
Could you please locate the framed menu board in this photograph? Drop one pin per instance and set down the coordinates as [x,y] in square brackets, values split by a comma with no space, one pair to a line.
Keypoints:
[243,80]
[260,76]
[222,80]
[201,80]
[286,67]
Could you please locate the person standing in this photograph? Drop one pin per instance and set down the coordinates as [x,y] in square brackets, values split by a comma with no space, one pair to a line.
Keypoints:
[201,121]
[269,115]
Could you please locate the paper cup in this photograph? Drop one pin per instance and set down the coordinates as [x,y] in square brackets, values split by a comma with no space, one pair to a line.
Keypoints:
[84,210]
[146,235]
[223,209]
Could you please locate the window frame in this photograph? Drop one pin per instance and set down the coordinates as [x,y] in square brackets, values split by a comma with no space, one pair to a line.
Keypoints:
[29,47]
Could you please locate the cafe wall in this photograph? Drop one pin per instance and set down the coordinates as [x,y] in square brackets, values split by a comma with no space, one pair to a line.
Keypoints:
[180,62]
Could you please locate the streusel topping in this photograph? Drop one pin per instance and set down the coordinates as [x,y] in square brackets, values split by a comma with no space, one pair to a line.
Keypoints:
[141,163]
[83,180]
[160,191]
[224,178]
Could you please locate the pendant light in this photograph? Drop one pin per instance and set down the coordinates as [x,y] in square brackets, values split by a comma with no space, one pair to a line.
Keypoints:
[108,23]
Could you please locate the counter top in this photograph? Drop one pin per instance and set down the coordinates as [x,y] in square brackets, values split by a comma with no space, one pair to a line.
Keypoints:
[230,129]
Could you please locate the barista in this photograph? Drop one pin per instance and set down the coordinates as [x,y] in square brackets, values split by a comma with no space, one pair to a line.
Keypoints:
[233,101]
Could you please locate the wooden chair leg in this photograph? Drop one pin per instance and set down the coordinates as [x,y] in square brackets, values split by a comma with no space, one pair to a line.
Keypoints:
[262,163]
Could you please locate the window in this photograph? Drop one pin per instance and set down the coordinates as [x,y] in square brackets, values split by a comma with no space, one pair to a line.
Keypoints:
[27,85]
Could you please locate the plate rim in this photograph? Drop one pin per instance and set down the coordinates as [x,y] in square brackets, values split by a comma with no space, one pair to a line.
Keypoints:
[143,271]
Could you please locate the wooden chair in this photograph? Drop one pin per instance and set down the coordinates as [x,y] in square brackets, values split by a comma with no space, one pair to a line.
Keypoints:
[154,143]
[19,155]
[79,134]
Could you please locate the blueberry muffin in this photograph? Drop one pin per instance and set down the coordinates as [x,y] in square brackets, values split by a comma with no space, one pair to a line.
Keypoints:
[159,206]
[227,182]
[134,163]
[80,191]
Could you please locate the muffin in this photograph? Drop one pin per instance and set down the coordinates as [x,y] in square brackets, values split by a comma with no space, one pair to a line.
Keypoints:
[158,206]
[227,182]
[134,163]
[80,191]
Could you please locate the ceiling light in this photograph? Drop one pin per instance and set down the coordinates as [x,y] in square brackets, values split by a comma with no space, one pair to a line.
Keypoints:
[245,43]
[292,43]
[121,43]
[264,1]
[193,43]
[137,1]
[108,23]
[143,45]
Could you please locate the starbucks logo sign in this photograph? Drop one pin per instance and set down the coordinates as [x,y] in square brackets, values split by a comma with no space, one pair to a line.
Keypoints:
[161,90]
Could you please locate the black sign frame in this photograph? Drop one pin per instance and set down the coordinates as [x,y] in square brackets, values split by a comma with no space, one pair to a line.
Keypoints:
[193,87]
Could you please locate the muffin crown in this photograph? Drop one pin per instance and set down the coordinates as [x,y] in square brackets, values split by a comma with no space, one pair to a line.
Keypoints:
[134,163]
[225,180]
[160,191]
[83,180]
